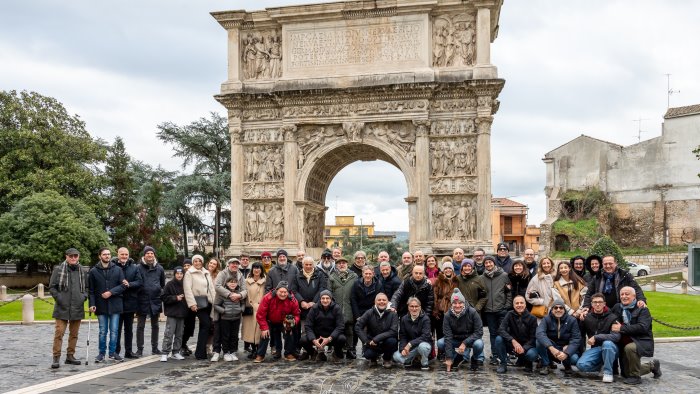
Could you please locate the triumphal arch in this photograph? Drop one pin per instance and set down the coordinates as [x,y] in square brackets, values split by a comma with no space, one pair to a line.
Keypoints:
[313,88]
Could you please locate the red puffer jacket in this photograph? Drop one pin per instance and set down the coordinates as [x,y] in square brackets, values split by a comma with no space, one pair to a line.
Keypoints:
[274,310]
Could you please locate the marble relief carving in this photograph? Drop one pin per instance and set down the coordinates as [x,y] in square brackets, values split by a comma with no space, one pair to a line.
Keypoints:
[454,40]
[261,54]
[313,229]
[263,136]
[264,221]
[452,127]
[454,218]
[460,161]
[252,190]
[263,163]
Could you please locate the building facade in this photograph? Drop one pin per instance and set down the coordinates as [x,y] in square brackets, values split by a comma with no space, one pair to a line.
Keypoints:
[345,227]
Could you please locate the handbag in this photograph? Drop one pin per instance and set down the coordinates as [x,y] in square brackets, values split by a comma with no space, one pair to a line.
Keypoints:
[539,311]
[202,301]
[248,311]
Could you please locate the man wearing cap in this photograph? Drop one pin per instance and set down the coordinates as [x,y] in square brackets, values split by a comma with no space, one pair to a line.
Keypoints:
[277,316]
[503,259]
[150,304]
[133,282]
[443,288]
[223,292]
[282,271]
[69,289]
[463,331]
[324,326]
[326,265]
[266,259]
[471,285]
[558,336]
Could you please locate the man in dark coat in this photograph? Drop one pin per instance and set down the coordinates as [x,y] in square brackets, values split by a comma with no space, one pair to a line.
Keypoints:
[323,327]
[388,277]
[283,271]
[503,259]
[105,288]
[150,304]
[463,331]
[603,352]
[377,330]
[133,280]
[68,287]
[609,282]
[415,337]
[517,334]
[636,340]
[306,286]
[415,286]
[498,299]
[558,335]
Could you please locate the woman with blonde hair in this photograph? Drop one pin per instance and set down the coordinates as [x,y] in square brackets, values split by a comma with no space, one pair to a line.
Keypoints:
[199,294]
[539,290]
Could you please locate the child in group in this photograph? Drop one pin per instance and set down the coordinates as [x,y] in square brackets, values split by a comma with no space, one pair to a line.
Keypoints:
[175,309]
[230,313]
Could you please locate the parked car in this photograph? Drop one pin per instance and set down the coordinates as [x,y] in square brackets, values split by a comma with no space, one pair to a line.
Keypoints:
[638,269]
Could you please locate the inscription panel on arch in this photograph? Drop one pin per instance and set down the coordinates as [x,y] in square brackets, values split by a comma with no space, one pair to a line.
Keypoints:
[357,47]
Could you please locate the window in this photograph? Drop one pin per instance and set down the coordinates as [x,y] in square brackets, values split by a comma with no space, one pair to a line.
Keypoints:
[508,225]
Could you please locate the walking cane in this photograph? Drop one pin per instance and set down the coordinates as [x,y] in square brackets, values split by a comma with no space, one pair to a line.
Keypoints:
[87,351]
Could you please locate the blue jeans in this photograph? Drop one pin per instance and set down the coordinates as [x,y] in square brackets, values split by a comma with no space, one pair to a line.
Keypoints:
[502,348]
[478,347]
[544,354]
[422,350]
[596,357]
[111,323]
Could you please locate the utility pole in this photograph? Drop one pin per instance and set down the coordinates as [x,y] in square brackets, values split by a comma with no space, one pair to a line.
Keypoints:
[669,91]
[639,128]
[360,233]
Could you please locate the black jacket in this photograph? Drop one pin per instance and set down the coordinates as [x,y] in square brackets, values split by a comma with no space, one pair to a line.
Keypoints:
[390,284]
[621,279]
[101,280]
[522,328]
[172,307]
[559,332]
[415,331]
[362,297]
[132,274]
[308,291]
[324,322]
[153,283]
[278,274]
[372,327]
[638,329]
[598,326]
[422,290]
[505,264]
[465,328]
[518,285]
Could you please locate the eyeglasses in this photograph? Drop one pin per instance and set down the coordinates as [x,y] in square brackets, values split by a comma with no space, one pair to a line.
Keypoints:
[499,249]
[266,258]
[73,256]
[554,308]
[598,302]
[360,258]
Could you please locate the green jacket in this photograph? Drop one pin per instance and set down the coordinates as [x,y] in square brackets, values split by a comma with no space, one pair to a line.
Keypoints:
[342,291]
[473,289]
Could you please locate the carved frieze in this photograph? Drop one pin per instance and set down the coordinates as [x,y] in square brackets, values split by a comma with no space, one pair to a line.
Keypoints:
[453,185]
[263,136]
[264,221]
[454,40]
[457,105]
[260,113]
[453,157]
[263,190]
[454,218]
[261,54]
[399,134]
[443,128]
[352,109]
[263,163]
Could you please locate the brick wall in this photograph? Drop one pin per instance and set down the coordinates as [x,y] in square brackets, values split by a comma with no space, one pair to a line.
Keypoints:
[659,261]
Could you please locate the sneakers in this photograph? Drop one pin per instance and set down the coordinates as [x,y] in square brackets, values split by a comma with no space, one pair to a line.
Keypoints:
[494,360]
[215,357]
[502,369]
[425,367]
[608,378]
[233,356]
[655,368]
[156,351]
[387,364]
[227,357]
[164,358]
[70,359]
[178,356]
[100,358]
[259,359]
[544,370]
[116,357]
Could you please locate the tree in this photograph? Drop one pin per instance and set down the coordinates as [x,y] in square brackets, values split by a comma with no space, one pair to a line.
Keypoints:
[177,210]
[39,228]
[606,246]
[122,209]
[204,144]
[697,154]
[42,147]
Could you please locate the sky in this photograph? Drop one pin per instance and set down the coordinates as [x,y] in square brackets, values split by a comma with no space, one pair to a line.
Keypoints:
[571,67]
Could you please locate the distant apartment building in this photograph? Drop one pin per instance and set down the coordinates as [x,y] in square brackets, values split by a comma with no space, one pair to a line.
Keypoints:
[345,226]
[509,225]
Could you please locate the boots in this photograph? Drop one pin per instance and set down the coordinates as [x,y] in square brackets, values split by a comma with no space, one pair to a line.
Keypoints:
[56,362]
[70,359]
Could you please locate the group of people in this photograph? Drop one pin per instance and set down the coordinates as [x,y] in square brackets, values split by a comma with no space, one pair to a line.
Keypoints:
[586,312]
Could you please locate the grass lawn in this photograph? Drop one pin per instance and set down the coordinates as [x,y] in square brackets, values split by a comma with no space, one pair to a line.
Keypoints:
[678,309]
[42,310]
[674,278]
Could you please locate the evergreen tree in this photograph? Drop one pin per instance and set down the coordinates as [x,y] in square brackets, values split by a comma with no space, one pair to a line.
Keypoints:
[606,246]
[122,210]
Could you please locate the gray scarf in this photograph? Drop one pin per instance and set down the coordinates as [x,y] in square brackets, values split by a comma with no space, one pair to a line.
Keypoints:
[63,277]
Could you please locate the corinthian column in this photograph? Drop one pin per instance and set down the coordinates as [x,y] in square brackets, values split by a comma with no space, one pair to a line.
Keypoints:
[483,166]
[291,158]
[422,173]
[237,171]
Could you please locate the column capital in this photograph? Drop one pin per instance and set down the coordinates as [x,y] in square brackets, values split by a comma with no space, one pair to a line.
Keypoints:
[483,124]
[235,134]
[422,127]
[289,130]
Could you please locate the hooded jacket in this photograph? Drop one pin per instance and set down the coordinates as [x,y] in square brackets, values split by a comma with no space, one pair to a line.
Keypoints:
[100,280]
[390,283]
[473,289]
[414,331]
[498,295]
[153,283]
[132,274]
[422,290]
[465,328]
[272,310]
[280,273]
[597,325]
[324,322]
[342,292]
[521,327]
[372,326]
[308,290]
[171,306]
[362,297]
[559,332]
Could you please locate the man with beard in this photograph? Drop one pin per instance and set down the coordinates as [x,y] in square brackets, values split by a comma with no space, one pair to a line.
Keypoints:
[150,304]
[503,259]
[416,286]
[282,271]
[498,300]
[105,284]
[378,329]
[558,336]
[133,280]
[326,265]
[603,352]
[530,262]
[478,257]
[610,282]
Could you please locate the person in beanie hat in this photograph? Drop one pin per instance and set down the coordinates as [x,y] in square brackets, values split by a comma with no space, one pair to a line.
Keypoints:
[189,320]
[266,259]
[282,271]
[444,285]
[175,309]
[277,315]
[498,300]
[503,259]
[150,304]
[463,331]
[558,336]
[324,326]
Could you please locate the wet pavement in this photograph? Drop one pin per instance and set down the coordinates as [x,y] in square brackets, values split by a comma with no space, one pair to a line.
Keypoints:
[27,366]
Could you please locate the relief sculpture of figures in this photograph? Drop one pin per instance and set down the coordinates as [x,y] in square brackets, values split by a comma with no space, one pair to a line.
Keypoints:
[313,229]
[261,55]
[454,40]
[463,162]
[454,219]
[264,164]
[264,222]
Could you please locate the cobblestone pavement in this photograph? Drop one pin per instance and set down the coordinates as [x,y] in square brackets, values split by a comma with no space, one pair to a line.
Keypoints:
[29,350]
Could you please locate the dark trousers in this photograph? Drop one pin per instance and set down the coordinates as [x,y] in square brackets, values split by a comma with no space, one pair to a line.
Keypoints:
[385,348]
[436,326]
[204,323]
[337,343]
[189,327]
[276,333]
[228,334]
[215,332]
[126,324]
[141,326]
[493,321]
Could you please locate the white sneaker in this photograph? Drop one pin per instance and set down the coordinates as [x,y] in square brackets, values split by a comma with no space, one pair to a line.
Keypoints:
[227,357]
[607,378]
[215,357]
[178,356]
[164,358]
[233,356]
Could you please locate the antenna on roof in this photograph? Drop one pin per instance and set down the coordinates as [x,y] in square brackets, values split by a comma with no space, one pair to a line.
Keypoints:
[639,128]
[669,91]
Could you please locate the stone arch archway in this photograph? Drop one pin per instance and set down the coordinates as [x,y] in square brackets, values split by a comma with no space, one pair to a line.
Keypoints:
[311,90]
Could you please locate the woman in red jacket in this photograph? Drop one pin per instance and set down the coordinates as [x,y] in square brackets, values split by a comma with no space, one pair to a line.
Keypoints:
[277,315]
